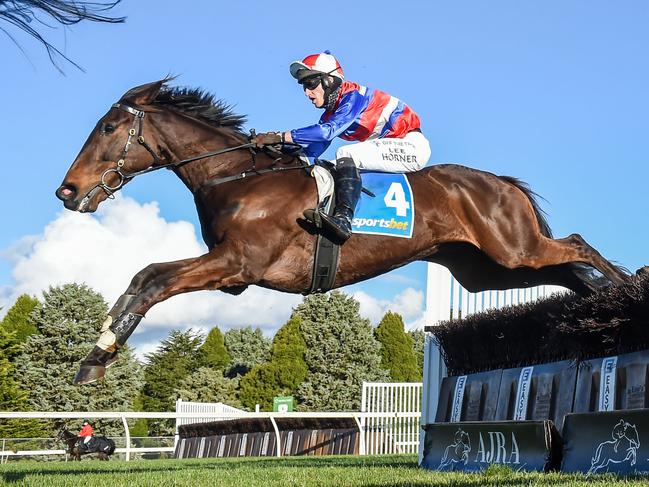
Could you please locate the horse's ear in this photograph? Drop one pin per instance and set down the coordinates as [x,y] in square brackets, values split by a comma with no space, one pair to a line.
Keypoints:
[145,94]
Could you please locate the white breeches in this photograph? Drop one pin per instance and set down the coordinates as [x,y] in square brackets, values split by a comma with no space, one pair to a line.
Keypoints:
[408,154]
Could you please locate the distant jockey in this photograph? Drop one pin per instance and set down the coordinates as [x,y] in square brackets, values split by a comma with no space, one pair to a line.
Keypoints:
[386,129]
[86,432]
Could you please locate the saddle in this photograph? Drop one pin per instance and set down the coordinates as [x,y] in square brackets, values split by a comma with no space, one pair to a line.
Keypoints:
[89,447]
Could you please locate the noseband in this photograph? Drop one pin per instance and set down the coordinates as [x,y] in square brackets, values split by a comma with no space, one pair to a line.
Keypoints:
[135,130]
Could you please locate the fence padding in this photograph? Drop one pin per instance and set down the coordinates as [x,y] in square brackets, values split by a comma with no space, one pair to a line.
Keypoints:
[610,383]
[472,397]
[615,441]
[256,437]
[537,392]
[473,446]
[611,321]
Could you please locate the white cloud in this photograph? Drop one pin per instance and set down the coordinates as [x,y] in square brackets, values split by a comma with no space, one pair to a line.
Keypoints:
[107,249]
[409,304]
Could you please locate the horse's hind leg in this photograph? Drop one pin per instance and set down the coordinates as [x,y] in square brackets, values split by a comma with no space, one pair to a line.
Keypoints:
[573,249]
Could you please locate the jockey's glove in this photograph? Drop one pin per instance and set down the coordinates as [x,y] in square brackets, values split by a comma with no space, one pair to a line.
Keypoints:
[268,138]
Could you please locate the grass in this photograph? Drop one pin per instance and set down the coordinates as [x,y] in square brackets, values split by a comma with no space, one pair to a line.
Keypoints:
[331,471]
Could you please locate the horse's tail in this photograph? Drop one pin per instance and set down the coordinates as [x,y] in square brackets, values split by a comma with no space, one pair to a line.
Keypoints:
[445,456]
[596,456]
[532,197]
[111,447]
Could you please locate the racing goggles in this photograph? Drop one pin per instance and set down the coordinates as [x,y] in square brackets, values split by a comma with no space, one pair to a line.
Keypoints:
[310,83]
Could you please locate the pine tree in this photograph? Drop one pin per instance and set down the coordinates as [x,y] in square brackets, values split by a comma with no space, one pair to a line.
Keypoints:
[397,352]
[341,353]
[69,319]
[215,354]
[18,319]
[208,385]
[176,357]
[283,374]
[418,341]
[247,347]
[12,397]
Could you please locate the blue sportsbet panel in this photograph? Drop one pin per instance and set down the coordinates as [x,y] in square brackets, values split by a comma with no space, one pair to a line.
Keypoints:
[391,211]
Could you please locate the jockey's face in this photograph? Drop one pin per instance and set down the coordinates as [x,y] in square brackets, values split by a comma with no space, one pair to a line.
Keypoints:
[316,95]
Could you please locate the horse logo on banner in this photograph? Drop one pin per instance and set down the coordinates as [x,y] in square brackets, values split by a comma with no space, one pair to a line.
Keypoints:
[456,452]
[622,448]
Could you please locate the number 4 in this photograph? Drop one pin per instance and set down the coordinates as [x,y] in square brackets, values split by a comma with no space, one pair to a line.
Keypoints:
[396,198]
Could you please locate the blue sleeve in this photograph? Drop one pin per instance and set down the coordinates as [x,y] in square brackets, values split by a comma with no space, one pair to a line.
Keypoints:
[315,149]
[351,105]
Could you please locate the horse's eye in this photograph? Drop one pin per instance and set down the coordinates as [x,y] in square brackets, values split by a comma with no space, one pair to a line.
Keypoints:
[107,128]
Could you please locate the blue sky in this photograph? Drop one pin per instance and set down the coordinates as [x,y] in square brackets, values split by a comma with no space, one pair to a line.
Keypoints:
[555,93]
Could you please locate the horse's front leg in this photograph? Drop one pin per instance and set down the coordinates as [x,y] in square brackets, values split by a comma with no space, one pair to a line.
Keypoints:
[220,268]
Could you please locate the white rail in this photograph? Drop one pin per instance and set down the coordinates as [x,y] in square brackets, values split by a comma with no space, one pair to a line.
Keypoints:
[387,434]
[356,416]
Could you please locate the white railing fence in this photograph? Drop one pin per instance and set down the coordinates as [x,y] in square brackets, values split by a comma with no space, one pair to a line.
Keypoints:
[130,449]
[211,408]
[390,434]
[26,447]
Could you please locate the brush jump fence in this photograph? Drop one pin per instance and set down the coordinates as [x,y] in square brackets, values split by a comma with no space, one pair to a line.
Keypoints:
[560,383]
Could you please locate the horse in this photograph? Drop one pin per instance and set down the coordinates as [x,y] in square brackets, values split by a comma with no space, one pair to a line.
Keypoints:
[457,452]
[487,230]
[622,448]
[102,446]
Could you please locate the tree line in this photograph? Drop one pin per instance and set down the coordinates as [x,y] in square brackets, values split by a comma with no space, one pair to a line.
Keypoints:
[320,356]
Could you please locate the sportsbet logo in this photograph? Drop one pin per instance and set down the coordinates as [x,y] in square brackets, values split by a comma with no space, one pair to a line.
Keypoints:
[380,223]
[390,211]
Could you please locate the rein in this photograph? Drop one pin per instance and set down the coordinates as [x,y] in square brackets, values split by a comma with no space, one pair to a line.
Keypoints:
[137,130]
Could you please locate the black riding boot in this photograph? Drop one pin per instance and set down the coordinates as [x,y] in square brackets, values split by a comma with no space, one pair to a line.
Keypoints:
[348,190]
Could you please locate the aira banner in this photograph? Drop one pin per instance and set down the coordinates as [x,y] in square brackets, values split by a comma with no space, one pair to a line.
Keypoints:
[391,211]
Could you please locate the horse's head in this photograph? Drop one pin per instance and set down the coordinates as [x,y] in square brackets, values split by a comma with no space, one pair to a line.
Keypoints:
[631,434]
[117,147]
[462,437]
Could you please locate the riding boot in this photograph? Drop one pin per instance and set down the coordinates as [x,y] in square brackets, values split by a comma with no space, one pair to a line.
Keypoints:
[348,190]
[119,325]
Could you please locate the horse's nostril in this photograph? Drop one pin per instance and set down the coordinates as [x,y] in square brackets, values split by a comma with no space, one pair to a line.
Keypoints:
[66,192]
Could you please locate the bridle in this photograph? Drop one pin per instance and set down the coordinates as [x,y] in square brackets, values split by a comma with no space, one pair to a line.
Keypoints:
[136,131]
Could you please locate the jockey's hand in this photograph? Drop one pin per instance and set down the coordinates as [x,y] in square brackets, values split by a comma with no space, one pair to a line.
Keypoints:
[267,138]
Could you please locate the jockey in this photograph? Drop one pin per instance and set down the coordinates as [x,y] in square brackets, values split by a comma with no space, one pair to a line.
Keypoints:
[386,130]
[86,432]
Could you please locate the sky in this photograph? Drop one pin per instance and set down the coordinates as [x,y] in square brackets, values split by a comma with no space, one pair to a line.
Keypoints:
[555,93]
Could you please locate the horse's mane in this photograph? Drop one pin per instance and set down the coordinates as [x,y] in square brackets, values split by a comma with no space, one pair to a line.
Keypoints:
[202,105]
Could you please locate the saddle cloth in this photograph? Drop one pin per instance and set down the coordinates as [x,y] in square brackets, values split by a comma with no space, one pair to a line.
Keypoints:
[390,211]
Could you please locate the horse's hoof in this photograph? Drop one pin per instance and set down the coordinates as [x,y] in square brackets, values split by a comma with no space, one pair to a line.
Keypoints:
[88,374]
[112,359]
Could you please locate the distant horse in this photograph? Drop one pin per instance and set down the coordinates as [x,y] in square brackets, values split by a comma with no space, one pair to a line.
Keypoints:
[486,229]
[102,446]
[622,448]
[457,452]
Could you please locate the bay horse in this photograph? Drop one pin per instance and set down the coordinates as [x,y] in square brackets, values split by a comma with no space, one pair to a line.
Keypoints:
[102,446]
[487,230]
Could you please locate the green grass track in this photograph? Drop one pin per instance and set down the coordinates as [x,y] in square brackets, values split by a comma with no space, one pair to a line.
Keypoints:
[336,471]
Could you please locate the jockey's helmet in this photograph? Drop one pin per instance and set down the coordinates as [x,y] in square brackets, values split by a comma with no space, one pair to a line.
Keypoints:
[319,66]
